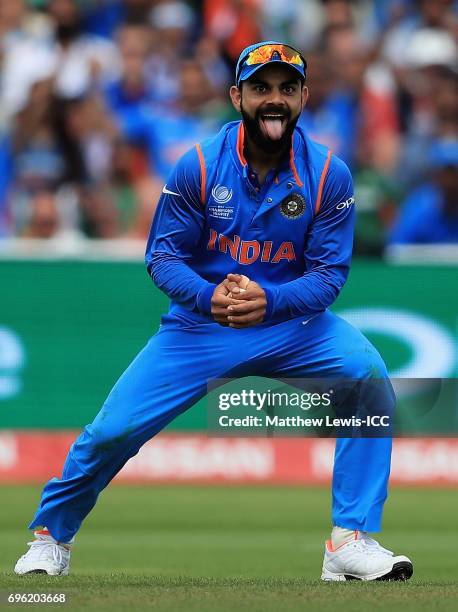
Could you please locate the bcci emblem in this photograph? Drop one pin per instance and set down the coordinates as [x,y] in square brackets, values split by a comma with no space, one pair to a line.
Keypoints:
[293,206]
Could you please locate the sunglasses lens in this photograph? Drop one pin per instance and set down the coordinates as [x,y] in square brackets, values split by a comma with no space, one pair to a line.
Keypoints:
[266,53]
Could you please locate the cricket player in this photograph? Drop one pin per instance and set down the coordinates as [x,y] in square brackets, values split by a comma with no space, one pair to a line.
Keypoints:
[252,243]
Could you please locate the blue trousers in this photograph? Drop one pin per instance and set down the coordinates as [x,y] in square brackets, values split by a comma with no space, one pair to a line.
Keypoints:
[170,374]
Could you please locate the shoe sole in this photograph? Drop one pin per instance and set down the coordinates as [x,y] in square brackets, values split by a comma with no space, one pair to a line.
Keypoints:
[64,572]
[400,572]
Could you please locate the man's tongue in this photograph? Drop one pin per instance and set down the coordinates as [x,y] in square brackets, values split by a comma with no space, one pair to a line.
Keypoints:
[273,127]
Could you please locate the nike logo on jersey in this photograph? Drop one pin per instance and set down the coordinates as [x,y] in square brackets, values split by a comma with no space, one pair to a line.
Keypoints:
[165,190]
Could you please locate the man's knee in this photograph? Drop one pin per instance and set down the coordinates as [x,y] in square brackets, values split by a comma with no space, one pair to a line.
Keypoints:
[362,361]
[98,445]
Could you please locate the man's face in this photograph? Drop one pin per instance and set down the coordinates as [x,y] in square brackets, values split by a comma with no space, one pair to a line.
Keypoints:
[270,103]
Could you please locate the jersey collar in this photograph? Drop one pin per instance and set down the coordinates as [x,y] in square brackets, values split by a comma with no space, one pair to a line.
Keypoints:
[243,164]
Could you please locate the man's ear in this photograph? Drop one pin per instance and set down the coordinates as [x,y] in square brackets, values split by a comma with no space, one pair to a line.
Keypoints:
[305,95]
[236,97]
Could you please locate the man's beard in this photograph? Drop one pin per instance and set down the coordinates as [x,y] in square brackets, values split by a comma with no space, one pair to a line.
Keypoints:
[256,134]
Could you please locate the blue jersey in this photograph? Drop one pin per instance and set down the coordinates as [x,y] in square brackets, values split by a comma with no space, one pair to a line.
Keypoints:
[293,234]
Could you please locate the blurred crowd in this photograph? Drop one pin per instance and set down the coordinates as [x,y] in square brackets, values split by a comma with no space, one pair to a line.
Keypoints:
[99,99]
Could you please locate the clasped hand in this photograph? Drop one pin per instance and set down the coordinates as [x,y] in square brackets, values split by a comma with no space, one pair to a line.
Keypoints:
[238,302]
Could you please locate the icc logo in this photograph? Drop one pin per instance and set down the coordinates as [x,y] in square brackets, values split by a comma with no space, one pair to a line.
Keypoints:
[221,194]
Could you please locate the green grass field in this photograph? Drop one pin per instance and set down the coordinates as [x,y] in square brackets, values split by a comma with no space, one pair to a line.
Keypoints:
[215,548]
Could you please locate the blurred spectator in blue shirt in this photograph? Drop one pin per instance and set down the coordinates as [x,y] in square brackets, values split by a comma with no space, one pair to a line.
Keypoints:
[103,17]
[133,89]
[434,115]
[430,213]
[217,71]
[172,24]
[169,132]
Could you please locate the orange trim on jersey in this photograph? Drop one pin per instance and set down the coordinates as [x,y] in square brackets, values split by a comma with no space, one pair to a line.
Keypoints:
[241,144]
[321,185]
[243,161]
[293,168]
[203,173]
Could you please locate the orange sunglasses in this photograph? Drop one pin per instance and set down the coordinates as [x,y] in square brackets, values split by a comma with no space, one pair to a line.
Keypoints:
[266,53]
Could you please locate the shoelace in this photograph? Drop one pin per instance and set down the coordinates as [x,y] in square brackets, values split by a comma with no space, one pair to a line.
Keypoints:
[370,548]
[39,547]
[371,542]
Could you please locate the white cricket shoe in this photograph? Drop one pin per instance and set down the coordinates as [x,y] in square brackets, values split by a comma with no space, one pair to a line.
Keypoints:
[364,559]
[45,556]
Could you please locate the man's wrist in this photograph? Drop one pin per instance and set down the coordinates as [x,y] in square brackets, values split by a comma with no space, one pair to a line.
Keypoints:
[204,299]
[269,304]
